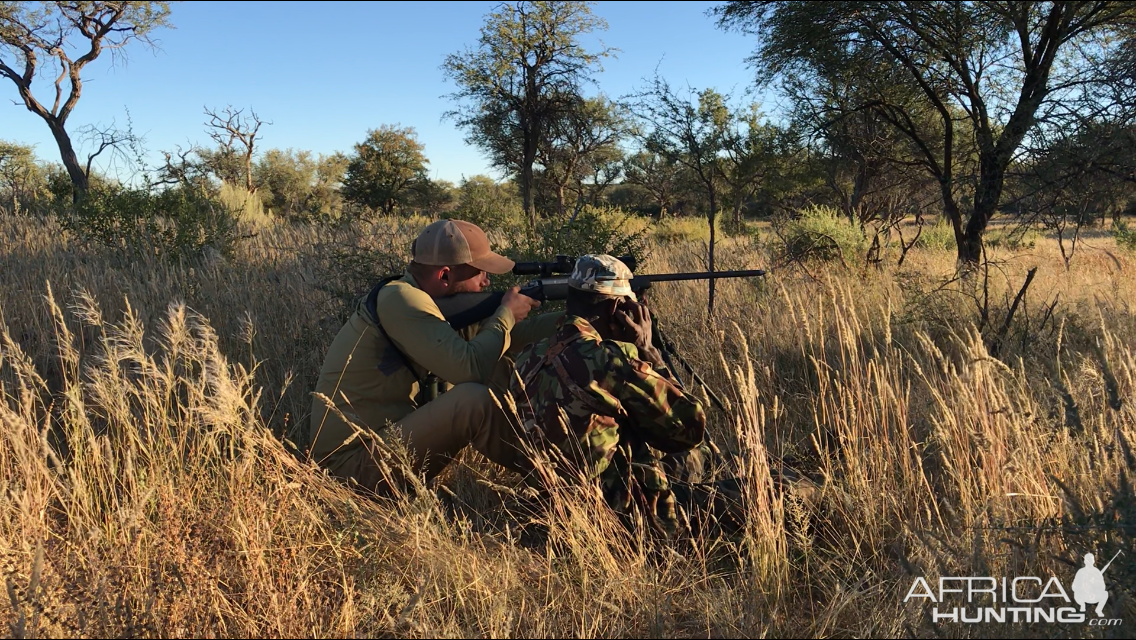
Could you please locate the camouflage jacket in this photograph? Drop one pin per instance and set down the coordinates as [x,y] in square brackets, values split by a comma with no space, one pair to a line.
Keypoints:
[609,414]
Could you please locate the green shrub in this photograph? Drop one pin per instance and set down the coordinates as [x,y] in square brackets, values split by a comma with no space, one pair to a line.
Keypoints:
[1125,236]
[177,222]
[820,233]
[1014,239]
[690,228]
[595,230]
[488,204]
[939,236]
[731,227]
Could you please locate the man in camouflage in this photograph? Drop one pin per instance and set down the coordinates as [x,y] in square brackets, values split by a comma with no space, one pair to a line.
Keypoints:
[598,395]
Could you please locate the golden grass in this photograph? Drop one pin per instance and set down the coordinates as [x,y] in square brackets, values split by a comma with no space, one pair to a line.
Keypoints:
[147,490]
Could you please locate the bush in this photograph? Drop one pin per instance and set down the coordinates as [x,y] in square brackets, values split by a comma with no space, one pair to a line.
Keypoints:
[488,204]
[1125,236]
[247,208]
[595,230]
[177,222]
[820,233]
[349,259]
[696,229]
[939,236]
[685,229]
[1015,239]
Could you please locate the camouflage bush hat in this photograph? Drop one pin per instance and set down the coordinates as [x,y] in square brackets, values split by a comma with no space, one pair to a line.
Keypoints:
[602,274]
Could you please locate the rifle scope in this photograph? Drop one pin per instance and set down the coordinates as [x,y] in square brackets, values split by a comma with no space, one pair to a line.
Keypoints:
[562,265]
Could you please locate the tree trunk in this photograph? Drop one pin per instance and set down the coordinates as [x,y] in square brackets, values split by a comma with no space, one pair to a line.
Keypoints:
[561,210]
[970,248]
[664,201]
[951,209]
[845,199]
[710,261]
[79,181]
[526,194]
[1061,245]
[529,144]
[986,197]
[859,190]
[248,172]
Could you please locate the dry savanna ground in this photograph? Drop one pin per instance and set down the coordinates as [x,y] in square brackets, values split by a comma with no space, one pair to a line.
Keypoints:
[154,483]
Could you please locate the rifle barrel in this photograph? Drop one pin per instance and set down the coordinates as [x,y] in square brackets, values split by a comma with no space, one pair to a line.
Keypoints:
[702,275]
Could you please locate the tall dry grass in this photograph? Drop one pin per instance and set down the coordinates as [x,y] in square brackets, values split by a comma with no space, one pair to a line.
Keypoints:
[154,416]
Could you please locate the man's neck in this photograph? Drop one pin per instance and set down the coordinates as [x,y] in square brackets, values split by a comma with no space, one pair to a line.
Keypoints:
[410,278]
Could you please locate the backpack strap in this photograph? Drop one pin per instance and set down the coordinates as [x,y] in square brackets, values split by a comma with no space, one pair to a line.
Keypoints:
[370,309]
[554,356]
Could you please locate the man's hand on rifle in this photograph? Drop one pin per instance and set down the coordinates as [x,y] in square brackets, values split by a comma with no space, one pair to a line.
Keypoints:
[519,304]
[634,325]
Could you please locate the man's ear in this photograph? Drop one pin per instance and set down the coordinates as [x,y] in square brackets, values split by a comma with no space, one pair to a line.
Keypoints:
[444,276]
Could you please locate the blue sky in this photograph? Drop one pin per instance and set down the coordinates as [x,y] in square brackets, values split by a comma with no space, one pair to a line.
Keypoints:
[323,73]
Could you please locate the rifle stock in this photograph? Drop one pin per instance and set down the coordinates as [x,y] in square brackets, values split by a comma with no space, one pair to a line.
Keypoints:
[463,309]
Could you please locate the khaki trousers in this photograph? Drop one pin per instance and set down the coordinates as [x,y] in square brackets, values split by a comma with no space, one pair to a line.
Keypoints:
[435,433]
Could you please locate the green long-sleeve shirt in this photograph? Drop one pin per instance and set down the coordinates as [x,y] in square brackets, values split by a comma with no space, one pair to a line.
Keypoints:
[368,381]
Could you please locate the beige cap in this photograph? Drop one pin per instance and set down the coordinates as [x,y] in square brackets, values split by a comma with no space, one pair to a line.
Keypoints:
[454,242]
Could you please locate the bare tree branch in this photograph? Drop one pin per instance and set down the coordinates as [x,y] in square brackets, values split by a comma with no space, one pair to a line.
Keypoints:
[27,31]
[232,127]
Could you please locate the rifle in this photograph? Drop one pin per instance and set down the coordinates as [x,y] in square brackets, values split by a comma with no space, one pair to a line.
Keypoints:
[463,309]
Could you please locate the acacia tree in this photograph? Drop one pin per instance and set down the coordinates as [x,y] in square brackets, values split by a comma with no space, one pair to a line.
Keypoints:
[854,146]
[578,146]
[41,38]
[692,131]
[875,173]
[1085,174]
[285,180]
[386,167]
[235,135]
[658,174]
[600,171]
[994,63]
[20,177]
[327,193]
[754,151]
[526,71]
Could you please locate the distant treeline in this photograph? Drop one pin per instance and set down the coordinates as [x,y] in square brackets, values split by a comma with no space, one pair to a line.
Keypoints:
[893,110]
